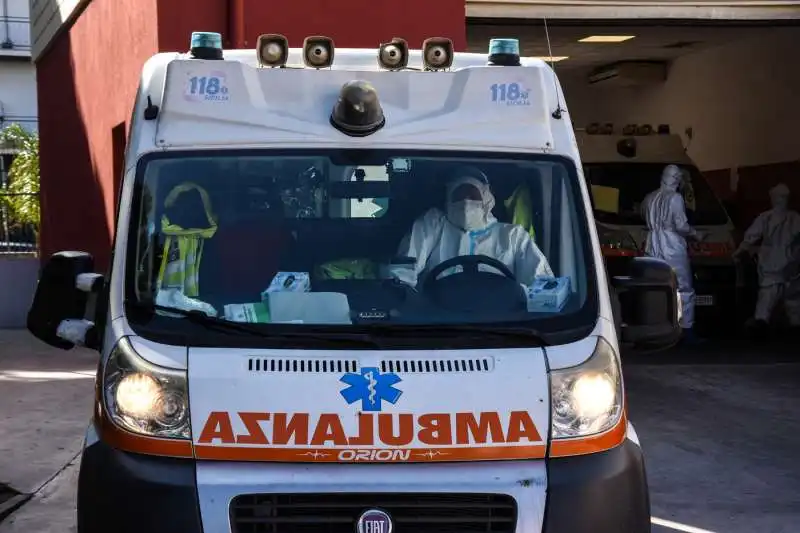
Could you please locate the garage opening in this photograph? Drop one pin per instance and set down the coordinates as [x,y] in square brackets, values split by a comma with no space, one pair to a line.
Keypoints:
[718,99]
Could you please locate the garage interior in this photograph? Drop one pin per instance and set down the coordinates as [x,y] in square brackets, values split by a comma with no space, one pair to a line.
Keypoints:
[733,84]
[728,89]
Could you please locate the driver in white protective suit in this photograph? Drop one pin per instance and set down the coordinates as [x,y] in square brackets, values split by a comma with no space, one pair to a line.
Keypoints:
[668,228]
[469,228]
[775,231]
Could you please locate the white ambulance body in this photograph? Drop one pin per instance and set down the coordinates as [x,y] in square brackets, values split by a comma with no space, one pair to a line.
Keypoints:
[358,403]
[621,170]
[639,173]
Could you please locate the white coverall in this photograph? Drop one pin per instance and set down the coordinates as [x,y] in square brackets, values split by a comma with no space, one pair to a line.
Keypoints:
[774,230]
[665,214]
[469,228]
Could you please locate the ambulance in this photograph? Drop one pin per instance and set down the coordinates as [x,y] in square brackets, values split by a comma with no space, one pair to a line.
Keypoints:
[623,165]
[270,358]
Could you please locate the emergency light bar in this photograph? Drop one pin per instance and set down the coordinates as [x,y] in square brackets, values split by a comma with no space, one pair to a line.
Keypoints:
[206,45]
[504,52]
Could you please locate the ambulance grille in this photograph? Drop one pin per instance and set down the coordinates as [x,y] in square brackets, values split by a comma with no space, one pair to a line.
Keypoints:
[411,366]
[288,364]
[338,513]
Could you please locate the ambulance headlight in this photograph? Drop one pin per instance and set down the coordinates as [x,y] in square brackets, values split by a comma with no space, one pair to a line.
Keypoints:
[587,398]
[393,55]
[358,111]
[144,398]
[272,49]
[318,51]
[437,53]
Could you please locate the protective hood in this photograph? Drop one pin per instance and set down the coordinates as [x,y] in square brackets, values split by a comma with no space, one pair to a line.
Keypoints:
[779,195]
[470,214]
[671,178]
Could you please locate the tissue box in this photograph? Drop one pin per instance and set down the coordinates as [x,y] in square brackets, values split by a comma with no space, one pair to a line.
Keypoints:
[548,295]
[288,282]
[252,313]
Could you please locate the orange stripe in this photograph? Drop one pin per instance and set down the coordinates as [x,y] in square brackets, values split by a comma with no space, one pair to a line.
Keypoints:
[333,455]
[594,444]
[124,440]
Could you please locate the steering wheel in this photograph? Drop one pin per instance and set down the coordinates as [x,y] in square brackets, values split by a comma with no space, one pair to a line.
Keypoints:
[473,290]
[470,264]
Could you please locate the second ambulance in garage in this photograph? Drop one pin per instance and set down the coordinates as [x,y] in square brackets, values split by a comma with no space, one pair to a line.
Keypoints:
[621,169]
[355,291]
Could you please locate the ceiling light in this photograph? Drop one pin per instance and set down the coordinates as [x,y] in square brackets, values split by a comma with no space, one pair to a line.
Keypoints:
[606,38]
[552,59]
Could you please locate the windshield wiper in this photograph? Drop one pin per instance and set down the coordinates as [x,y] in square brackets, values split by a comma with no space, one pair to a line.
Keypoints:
[469,330]
[220,324]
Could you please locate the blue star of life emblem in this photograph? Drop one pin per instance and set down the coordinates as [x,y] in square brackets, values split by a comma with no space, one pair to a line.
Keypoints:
[371,387]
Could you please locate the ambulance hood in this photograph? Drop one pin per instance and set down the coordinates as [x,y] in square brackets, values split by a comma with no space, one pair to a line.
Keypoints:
[361,406]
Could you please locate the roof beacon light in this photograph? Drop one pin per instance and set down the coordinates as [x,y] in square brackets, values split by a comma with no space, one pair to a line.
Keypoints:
[358,111]
[663,129]
[393,55]
[437,53]
[318,51]
[272,50]
[206,45]
[504,52]
[644,129]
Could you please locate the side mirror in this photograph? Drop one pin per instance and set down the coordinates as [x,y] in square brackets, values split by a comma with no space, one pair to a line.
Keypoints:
[648,298]
[66,290]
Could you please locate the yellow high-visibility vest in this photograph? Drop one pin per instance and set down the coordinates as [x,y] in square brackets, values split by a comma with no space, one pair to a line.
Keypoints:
[183,247]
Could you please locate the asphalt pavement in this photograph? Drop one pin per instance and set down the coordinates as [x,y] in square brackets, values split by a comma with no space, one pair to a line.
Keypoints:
[721,440]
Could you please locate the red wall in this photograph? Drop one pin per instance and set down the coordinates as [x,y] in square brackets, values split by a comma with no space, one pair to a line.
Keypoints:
[87,82]
[86,85]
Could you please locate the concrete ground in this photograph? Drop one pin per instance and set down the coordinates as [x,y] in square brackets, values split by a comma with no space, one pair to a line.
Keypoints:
[721,441]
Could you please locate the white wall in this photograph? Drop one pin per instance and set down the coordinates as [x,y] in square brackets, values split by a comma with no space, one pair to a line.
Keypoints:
[742,100]
[15,27]
[18,93]
[17,73]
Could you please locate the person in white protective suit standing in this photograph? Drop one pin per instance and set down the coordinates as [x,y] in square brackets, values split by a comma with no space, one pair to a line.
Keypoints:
[668,227]
[771,237]
[467,227]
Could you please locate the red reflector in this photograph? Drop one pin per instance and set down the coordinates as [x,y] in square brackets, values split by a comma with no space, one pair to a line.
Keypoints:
[710,249]
[610,251]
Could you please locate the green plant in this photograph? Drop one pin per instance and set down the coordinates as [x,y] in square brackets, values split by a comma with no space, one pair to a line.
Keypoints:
[21,194]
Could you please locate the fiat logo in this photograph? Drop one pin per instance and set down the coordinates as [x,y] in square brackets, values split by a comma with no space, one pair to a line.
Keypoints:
[374,521]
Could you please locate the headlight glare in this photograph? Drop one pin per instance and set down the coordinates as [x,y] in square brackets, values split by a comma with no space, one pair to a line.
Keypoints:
[587,399]
[145,398]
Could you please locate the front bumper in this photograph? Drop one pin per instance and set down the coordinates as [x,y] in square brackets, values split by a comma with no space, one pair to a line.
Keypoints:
[599,493]
[127,493]
[122,492]
[720,294]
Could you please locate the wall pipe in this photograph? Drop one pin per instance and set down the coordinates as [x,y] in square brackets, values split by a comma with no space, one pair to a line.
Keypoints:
[7,42]
[236,23]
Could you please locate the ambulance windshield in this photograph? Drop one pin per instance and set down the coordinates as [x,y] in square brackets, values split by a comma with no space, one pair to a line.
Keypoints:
[349,240]
[619,189]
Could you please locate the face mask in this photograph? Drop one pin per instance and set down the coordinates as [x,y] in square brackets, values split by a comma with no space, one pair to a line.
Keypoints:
[467,215]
